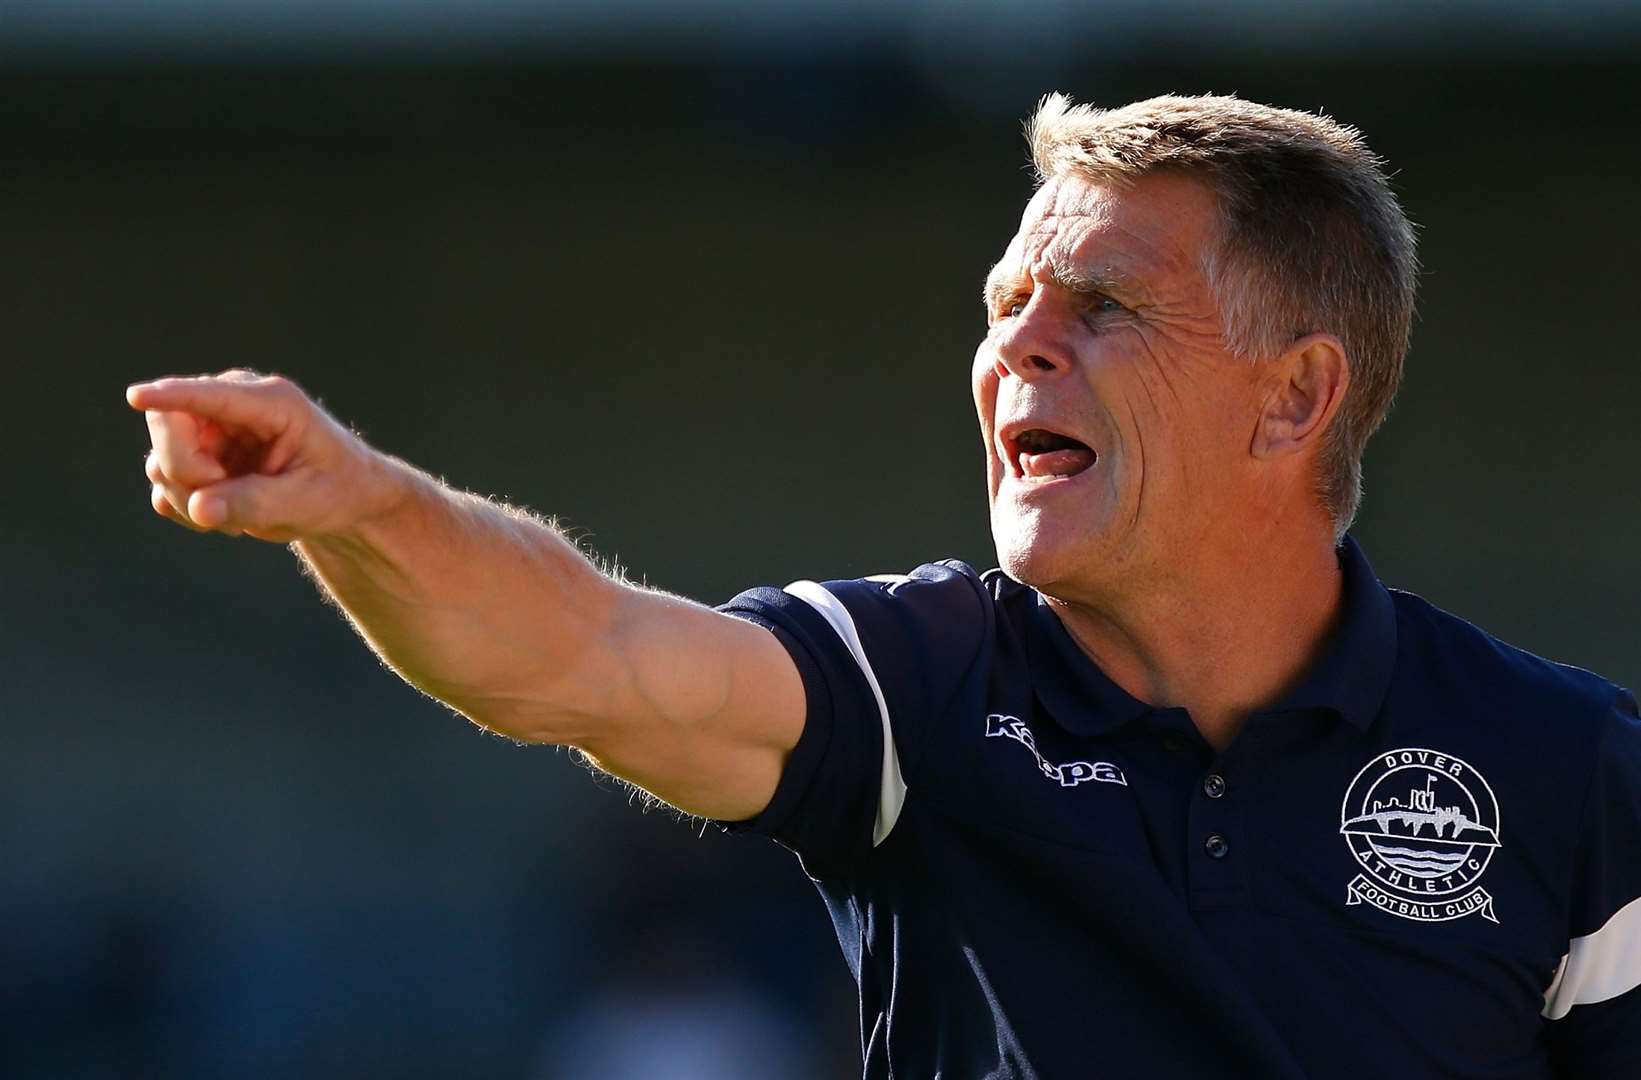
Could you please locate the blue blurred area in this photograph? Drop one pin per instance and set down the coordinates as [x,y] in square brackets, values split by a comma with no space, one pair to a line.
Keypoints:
[728,29]
[702,281]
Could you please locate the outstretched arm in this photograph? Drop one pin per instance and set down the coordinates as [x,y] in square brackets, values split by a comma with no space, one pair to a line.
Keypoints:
[481,605]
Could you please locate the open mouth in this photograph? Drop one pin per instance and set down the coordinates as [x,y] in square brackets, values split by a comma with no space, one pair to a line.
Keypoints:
[1040,454]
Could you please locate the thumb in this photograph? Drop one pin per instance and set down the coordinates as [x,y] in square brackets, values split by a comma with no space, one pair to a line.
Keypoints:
[253,503]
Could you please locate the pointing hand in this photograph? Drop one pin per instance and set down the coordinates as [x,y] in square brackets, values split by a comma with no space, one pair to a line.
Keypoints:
[241,452]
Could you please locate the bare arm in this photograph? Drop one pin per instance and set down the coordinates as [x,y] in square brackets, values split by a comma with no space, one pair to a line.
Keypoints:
[483,606]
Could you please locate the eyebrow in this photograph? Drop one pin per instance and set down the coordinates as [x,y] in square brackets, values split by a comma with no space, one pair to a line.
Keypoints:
[1107,280]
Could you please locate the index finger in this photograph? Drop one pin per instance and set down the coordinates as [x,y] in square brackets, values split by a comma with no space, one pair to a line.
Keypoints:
[254,407]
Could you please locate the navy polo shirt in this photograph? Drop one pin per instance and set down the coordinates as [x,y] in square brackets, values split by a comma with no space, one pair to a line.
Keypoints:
[1424,862]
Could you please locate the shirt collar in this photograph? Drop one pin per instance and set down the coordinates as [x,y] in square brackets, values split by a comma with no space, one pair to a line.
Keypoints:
[1349,680]
[1080,697]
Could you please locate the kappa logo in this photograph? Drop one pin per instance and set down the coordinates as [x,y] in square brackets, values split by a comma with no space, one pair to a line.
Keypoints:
[1071,773]
[1423,826]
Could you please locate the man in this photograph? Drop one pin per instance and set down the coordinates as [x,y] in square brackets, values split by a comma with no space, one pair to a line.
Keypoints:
[1182,790]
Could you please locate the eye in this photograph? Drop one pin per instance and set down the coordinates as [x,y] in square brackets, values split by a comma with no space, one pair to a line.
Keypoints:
[1010,308]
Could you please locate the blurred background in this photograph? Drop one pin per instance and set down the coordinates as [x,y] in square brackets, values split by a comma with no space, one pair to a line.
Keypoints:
[701,279]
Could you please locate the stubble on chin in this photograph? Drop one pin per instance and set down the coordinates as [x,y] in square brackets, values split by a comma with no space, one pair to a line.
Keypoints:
[1021,549]
[1055,557]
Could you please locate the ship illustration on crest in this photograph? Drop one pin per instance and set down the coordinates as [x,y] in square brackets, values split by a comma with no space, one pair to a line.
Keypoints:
[1419,837]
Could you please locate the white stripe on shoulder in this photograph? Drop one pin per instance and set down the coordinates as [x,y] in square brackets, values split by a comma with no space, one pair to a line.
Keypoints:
[891,788]
[1598,966]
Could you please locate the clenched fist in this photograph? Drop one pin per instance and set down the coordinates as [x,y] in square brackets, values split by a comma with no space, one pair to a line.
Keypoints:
[246,453]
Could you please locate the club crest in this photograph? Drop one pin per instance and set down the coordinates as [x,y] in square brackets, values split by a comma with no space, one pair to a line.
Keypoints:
[1423,826]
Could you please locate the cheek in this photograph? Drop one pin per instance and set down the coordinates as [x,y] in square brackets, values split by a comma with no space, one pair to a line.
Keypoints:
[1183,402]
[983,382]
[1218,424]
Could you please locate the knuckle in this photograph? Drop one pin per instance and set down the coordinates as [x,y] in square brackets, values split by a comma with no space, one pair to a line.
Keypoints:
[151,468]
[283,385]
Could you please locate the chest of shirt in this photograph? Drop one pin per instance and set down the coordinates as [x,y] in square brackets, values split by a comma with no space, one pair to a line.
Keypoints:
[1374,850]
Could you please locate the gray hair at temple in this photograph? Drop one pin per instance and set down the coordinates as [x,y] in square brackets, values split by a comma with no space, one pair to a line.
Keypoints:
[1312,240]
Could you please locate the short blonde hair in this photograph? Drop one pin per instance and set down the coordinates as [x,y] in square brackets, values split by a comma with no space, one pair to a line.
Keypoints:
[1311,237]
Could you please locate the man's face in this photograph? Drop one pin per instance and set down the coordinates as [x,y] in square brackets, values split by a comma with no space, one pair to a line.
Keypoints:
[1117,425]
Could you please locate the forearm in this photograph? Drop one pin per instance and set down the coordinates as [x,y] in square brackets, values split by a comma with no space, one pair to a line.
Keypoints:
[479,605]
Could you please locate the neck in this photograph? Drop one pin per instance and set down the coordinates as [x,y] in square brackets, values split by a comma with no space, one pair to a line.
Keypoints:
[1226,632]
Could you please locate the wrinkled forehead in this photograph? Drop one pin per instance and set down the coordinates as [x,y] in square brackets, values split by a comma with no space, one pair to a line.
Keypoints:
[1154,231]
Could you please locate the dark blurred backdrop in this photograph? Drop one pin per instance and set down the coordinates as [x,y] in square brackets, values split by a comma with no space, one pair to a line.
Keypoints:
[707,289]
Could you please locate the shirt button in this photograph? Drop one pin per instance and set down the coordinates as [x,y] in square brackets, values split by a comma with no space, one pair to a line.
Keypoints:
[1216,846]
[1213,786]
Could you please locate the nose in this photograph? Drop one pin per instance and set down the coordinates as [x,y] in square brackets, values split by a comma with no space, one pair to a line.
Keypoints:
[1031,345]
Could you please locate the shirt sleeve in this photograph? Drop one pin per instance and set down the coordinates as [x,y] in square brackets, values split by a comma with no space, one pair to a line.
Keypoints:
[879,657]
[1593,1006]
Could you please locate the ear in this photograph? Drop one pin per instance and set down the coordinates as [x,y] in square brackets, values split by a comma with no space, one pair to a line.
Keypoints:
[1307,383]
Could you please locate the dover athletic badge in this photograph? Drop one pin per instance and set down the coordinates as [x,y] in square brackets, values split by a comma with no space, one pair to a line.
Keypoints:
[1422,826]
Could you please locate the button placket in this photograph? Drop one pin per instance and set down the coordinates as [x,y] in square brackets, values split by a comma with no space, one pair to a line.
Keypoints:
[1215,870]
